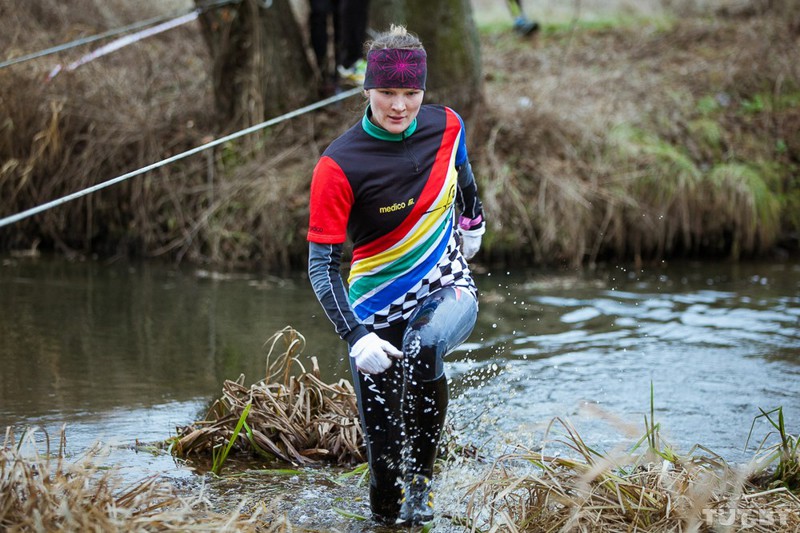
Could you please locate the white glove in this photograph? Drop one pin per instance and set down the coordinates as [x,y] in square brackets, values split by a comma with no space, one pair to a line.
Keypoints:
[370,354]
[471,242]
[471,230]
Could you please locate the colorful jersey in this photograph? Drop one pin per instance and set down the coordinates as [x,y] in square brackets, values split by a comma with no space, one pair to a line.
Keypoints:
[394,196]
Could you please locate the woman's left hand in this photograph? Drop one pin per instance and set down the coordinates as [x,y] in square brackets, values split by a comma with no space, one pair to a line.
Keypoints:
[470,242]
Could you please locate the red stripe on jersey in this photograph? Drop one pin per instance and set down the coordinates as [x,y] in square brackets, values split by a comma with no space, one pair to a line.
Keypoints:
[432,189]
[330,203]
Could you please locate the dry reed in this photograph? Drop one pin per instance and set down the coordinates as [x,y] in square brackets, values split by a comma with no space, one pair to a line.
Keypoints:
[650,490]
[44,492]
[297,419]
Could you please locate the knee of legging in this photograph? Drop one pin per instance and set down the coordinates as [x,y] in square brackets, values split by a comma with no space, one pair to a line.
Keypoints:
[423,356]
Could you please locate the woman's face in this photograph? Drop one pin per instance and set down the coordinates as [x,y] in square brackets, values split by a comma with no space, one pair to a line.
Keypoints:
[394,109]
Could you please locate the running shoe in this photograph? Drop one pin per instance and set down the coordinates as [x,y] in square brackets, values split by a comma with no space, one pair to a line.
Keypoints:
[355,73]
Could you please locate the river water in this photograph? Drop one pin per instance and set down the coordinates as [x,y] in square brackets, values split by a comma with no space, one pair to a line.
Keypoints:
[124,353]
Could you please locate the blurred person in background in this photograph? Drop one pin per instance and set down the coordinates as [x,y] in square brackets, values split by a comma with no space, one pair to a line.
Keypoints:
[522,24]
[348,20]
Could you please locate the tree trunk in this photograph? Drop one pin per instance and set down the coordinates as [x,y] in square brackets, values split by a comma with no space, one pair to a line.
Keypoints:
[448,32]
[383,13]
[260,66]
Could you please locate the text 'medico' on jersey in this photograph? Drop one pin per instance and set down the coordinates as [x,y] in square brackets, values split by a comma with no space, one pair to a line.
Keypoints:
[394,196]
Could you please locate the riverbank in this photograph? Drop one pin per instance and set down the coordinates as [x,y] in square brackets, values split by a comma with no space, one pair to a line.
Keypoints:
[661,131]
[649,488]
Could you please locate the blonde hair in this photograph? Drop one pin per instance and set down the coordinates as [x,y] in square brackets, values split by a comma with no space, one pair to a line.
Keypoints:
[397,37]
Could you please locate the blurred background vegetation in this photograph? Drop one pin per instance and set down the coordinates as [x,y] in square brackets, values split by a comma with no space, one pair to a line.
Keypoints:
[622,131]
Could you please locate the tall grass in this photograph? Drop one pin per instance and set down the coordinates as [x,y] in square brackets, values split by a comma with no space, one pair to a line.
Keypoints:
[649,489]
[751,208]
[44,491]
[666,190]
[785,454]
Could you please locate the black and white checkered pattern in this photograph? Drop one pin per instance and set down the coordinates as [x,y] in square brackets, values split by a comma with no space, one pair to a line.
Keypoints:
[451,271]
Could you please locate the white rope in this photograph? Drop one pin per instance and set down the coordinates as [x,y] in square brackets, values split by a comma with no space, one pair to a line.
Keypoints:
[271,122]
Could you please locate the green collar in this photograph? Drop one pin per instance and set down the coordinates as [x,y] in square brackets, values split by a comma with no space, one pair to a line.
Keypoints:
[382,134]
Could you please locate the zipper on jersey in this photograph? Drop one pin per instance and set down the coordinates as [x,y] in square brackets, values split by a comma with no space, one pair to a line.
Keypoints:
[410,154]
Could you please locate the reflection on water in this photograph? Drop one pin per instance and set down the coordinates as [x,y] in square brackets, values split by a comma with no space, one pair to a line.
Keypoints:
[127,352]
[716,342]
[80,341]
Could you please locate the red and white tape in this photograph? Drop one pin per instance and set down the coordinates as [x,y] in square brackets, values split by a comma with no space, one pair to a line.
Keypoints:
[124,41]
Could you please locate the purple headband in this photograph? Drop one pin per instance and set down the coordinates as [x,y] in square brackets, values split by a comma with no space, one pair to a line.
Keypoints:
[396,68]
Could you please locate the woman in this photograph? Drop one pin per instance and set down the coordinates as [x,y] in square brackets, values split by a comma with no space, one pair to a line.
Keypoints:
[391,184]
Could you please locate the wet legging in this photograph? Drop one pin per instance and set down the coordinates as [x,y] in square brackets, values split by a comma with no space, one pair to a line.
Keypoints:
[403,408]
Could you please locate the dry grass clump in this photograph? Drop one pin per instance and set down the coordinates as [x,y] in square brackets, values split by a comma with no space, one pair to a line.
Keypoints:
[41,492]
[533,188]
[297,419]
[650,490]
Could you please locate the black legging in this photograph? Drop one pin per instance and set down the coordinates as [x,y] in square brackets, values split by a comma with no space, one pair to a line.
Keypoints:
[349,30]
[402,409]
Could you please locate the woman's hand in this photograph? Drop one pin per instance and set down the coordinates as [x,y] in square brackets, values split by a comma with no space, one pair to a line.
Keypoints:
[471,230]
[470,242]
[371,354]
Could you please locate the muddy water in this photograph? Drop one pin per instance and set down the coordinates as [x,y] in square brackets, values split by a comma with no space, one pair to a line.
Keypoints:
[125,353]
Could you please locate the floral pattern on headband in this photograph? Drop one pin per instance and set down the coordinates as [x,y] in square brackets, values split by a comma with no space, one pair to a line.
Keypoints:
[396,68]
